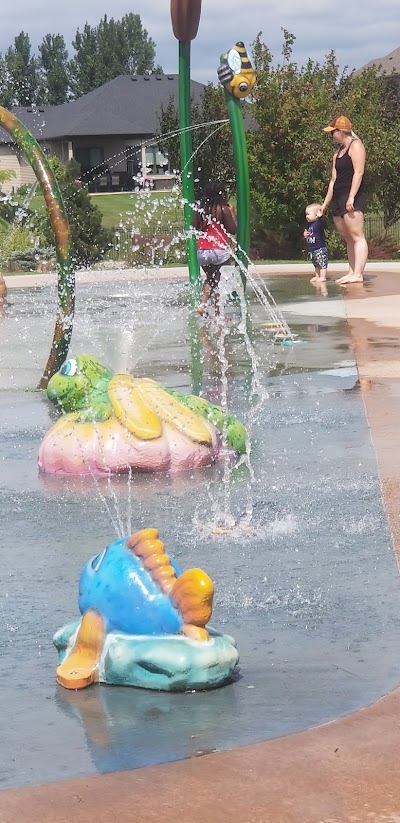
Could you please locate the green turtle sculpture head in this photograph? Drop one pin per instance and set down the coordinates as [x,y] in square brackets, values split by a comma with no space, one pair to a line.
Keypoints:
[80,383]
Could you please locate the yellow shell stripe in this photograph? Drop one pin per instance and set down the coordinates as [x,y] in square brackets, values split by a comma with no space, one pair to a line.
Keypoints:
[174,413]
[132,409]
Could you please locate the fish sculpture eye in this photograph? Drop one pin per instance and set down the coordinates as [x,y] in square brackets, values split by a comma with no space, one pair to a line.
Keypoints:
[69,368]
[97,561]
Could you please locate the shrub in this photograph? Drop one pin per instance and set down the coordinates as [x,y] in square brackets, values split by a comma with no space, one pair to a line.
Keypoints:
[383,247]
[89,240]
[30,259]
[15,239]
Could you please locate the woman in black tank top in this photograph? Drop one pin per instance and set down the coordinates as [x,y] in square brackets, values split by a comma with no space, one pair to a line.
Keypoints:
[347,197]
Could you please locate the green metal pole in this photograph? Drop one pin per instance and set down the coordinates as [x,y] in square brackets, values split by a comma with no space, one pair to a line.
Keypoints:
[186,157]
[242,179]
[59,221]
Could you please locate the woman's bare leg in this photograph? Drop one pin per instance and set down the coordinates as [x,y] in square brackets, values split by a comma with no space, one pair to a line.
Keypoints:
[354,223]
[341,228]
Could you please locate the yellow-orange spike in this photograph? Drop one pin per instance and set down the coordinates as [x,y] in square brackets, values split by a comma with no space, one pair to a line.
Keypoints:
[143,534]
[157,561]
[151,550]
[146,548]
[193,595]
[167,585]
[163,574]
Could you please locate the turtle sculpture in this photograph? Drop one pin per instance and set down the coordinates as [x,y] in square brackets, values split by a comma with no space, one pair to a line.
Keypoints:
[143,623]
[115,423]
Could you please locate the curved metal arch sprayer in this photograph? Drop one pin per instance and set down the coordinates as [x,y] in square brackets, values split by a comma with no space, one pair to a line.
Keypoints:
[59,221]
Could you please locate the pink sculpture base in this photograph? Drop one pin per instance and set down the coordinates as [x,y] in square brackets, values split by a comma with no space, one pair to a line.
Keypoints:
[70,447]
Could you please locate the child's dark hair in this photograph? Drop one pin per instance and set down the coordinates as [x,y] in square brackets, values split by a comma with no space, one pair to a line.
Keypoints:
[214,194]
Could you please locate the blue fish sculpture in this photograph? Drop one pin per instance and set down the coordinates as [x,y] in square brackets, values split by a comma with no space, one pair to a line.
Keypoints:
[143,622]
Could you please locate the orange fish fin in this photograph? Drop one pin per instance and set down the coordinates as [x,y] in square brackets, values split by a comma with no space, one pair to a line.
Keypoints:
[81,667]
[195,632]
[193,595]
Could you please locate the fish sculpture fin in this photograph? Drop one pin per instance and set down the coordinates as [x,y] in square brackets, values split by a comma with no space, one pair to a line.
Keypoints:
[192,595]
[151,551]
[195,632]
[81,667]
[132,409]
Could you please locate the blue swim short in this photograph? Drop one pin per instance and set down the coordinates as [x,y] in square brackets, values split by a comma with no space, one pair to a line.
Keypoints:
[319,257]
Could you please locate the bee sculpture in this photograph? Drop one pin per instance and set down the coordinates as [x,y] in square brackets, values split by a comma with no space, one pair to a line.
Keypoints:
[236,72]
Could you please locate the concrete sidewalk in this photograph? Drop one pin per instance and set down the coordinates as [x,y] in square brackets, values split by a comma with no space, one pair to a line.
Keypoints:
[179,273]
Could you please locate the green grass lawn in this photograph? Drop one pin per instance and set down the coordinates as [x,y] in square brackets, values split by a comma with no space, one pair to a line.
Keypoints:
[149,212]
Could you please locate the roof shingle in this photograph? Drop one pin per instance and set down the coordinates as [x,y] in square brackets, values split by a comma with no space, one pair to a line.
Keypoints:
[127,105]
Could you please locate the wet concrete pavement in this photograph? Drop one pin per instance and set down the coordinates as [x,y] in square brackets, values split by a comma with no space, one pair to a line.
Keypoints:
[342,771]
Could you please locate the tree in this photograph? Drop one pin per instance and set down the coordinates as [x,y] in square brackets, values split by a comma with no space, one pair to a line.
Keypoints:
[112,48]
[88,237]
[22,70]
[54,70]
[212,144]
[288,160]
[372,99]
[6,95]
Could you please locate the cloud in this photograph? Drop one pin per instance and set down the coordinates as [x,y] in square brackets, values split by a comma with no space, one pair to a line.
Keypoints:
[319,27]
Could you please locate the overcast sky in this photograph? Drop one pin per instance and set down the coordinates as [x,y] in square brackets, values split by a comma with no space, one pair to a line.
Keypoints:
[357,31]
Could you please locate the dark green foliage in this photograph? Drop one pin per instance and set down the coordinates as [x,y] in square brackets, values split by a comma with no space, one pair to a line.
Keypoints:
[6,92]
[212,142]
[102,52]
[290,157]
[22,71]
[29,259]
[89,239]
[111,48]
[54,66]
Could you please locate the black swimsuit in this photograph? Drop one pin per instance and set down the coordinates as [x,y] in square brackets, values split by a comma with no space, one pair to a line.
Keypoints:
[341,187]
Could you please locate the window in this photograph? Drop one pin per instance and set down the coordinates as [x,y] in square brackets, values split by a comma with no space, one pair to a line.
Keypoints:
[156,163]
[133,160]
[91,159]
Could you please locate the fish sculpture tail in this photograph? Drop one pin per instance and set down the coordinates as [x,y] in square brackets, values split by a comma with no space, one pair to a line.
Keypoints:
[191,593]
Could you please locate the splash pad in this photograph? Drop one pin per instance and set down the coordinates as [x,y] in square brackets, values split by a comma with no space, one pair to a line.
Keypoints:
[307,592]
[311,649]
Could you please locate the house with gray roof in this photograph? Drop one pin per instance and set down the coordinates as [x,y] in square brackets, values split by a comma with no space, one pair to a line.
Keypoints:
[389,68]
[110,132]
[387,65]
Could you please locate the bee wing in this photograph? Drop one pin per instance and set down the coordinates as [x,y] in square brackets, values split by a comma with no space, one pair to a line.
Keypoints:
[234,61]
[132,409]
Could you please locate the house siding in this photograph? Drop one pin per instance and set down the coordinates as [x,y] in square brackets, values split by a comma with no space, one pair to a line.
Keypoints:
[27,175]
[9,162]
